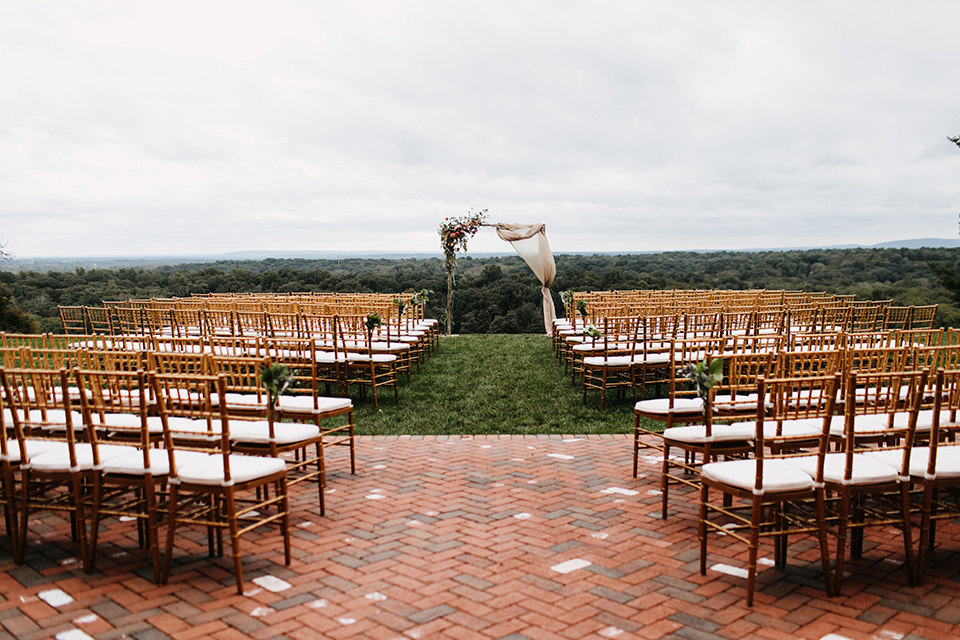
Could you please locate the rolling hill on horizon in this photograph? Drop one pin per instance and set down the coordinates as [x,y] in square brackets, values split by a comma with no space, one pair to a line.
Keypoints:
[68,263]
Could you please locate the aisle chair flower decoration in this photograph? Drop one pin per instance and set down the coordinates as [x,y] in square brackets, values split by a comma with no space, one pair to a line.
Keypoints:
[705,376]
[276,379]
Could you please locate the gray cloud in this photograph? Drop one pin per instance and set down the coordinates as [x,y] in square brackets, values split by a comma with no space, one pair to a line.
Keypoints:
[189,127]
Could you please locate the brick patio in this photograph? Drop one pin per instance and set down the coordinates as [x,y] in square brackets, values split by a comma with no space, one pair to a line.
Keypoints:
[480,538]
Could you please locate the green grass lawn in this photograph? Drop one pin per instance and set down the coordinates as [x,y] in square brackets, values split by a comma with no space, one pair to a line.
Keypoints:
[483,384]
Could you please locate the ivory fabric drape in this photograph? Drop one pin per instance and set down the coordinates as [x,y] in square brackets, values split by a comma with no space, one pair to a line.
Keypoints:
[530,241]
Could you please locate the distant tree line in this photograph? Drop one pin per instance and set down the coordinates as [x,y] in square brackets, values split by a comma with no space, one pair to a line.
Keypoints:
[498,295]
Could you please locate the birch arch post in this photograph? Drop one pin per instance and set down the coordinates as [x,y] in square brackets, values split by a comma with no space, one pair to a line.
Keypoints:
[454,233]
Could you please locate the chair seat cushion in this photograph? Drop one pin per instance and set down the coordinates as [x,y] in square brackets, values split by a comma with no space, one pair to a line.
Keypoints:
[778,475]
[801,427]
[258,432]
[869,423]
[697,433]
[130,421]
[304,404]
[924,420]
[948,461]
[242,469]
[132,462]
[609,361]
[866,471]
[58,460]
[377,358]
[33,447]
[661,406]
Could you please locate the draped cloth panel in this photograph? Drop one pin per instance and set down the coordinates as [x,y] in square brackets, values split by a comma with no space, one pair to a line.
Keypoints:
[530,241]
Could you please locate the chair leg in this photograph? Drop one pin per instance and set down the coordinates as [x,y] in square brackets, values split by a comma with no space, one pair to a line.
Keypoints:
[756,515]
[171,530]
[843,514]
[97,496]
[150,504]
[824,545]
[907,532]
[702,527]
[234,539]
[664,480]
[925,537]
[285,522]
[10,514]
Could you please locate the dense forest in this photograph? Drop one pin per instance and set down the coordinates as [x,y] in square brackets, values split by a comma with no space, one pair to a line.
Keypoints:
[501,295]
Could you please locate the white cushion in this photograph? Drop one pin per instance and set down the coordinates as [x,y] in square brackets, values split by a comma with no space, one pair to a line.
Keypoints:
[804,427]
[778,475]
[948,461]
[129,421]
[258,432]
[378,358]
[868,423]
[304,404]
[924,420]
[242,469]
[866,471]
[661,406]
[59,459]
[132,462]
[56,418]
[697,434]
[244,400]
[608,361]
[33,447]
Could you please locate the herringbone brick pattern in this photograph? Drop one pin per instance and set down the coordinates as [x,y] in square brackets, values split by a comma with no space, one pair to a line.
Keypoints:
[536,538]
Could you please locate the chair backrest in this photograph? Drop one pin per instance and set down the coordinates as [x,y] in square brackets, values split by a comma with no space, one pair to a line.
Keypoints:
[240,374]
[41,408]
[106,396]
[924,316]
[284,325]
[809,363]
[190,421]
[112,359]
[810,399]
[882,393]
[300,356]
[73,320]
[756,343]
[98,320]
[235,346]
[179,363]
[946,402]
[917,337]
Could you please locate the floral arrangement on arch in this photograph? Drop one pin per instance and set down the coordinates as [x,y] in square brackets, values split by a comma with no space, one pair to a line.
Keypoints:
[454,233]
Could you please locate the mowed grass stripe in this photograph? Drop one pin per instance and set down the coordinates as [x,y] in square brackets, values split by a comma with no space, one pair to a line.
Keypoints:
[492,384]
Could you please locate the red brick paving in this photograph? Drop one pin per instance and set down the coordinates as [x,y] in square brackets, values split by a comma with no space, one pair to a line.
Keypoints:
[456,538]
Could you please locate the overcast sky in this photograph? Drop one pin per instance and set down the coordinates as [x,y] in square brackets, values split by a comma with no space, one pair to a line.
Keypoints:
[167,127]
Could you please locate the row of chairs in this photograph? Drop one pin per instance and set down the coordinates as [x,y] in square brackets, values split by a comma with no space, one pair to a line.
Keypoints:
[186,321]
[349,356]
[808,311]
[822,455]
[618,362]
[158,447]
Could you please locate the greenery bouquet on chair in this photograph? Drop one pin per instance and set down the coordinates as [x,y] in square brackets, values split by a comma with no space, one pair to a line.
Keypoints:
[276,380]
[705,375]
